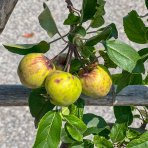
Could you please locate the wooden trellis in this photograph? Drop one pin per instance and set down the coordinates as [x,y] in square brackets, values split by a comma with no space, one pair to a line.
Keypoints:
[17,95]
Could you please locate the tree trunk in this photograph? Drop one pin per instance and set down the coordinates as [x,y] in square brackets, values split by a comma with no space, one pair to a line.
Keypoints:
[6,8]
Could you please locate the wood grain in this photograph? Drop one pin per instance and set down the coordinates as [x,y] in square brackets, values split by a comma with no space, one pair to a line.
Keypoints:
[6,8]
[17,95]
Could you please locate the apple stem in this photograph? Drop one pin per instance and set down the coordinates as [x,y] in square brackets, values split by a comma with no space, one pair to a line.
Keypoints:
[72,47]
[68,58]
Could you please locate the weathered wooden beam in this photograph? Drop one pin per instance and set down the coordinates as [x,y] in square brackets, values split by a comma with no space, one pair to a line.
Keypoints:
[17,95]
[6,8]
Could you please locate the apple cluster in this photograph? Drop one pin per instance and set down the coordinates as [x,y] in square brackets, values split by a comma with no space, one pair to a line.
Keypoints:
[35,70]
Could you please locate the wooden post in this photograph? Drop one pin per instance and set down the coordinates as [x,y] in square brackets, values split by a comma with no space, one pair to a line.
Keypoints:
[6,8]
[137,95]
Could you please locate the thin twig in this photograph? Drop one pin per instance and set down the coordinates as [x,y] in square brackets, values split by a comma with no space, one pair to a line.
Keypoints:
[62,37]
[142,16]
[140,114]
[68,61]
[75,54]
[76,12]
[58,38]
[88,28]
[59,53]
[146,112]
[69,5]
[76,9]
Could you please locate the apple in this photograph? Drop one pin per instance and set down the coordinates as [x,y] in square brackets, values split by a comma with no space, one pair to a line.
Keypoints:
[33,69]
[64,88]
[96,82]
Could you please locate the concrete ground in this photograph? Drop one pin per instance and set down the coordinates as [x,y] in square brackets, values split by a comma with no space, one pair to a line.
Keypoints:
[16,124]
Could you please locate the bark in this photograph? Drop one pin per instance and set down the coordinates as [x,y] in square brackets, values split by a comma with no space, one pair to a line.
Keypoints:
[6,8]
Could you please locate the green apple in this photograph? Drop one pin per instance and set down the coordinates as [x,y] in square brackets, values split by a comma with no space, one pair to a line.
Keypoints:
[33,69]
[96,82]
[63,88]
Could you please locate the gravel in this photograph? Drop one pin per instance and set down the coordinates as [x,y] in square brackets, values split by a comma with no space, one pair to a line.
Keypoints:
[16,124]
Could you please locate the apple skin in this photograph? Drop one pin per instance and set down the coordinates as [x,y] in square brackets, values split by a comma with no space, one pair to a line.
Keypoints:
[63,88]
[96,83]
[33,69]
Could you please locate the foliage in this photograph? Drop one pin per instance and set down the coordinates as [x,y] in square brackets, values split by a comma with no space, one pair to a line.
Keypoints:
[69,126]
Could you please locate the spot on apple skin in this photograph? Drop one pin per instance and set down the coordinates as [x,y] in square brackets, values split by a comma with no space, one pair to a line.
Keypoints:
[58,80]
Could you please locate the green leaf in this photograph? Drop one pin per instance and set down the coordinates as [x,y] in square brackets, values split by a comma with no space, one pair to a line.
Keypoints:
[95,124]
[24,49]
[75,134]
[105,132]
[136,79]
[141,142]
[92,120]
[114,31]
[123,114]
[122,54]
[132,134]
[144,54]
[146,3]
[101,142]
[78,32]
[77,145]
[139,68]
[135,29]
[75,127]
[122,81]
[97,22]
[107,61]
[72,19]
[97,19]
[126,79]
[75,66]
[146,80]
[118,132]
[88,143]
[87,51]
[65,137]
[88,10]
[47,22]
[38,103]
[49,131]
[116,78]
[104,35]
[77,108]
[85,144]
